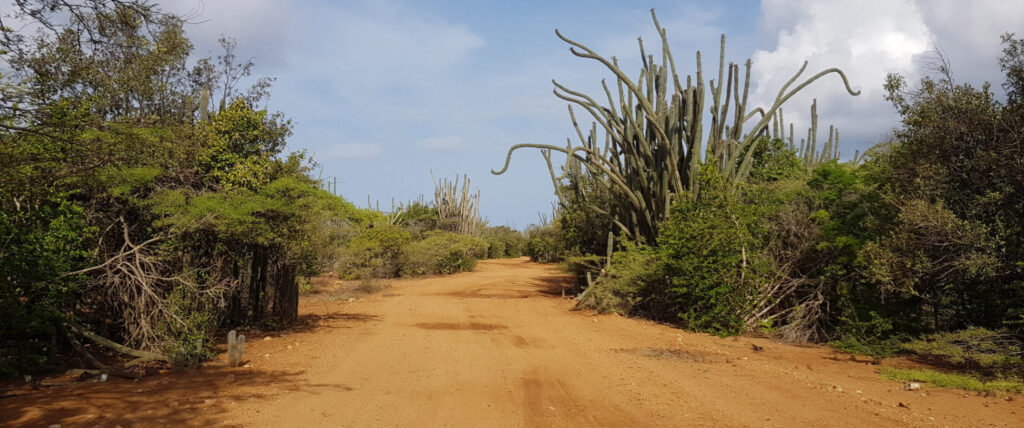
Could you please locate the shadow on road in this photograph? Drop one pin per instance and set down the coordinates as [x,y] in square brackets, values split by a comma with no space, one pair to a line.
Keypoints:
[195,398]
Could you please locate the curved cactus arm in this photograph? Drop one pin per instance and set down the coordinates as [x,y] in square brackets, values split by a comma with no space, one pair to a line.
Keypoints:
[645,103]
[608,122]
[576,126]
[782,98]
[666,52]
[619,181]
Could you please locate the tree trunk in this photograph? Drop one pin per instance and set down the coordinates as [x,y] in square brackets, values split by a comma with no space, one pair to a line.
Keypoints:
[257,283]
[286,294]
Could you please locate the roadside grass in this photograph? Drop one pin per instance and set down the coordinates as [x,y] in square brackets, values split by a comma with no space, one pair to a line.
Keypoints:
[950,380]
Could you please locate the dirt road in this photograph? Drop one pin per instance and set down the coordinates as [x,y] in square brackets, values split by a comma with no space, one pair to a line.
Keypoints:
[500,347]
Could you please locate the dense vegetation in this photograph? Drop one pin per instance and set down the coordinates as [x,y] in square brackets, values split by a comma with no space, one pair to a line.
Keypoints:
[148,199]
[913,247]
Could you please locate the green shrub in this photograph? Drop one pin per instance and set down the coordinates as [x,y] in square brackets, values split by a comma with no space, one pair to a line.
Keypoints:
[579,266]
[374,253]
[40,243]
[189,337]
[502,241]
[545,244]
[442,252]
[872,338]
[635,284]
[953,380]
[713,253]
[974,349]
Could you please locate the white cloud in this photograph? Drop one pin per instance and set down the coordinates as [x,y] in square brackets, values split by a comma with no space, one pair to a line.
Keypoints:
[869,39]
[866,39]
[265,29]
[968,34]
[439,144]
[354,151]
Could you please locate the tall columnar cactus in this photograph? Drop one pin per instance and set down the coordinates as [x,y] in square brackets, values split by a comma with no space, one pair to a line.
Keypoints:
[236,348]
[204,105]
[654,140]
[808,151]
[458,208]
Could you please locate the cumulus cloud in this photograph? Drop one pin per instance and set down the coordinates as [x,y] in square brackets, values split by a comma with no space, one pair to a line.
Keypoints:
[968,34]
[439,144]
[869,39]
[866,39]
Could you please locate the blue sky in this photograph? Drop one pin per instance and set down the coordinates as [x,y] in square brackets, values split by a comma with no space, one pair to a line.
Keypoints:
[383,92]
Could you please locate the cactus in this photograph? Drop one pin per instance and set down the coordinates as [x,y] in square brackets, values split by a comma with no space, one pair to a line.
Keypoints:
[458,208]
[809,153]
[236,348]
[654,133]
[204,105]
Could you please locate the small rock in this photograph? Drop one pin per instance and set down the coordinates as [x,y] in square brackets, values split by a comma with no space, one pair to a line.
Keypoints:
[266,338]
[1008,398]
[247,365]
[55,426]
[207,401]
[289,347]
[351,299]
[859,391]
[551,408]
[912,386]
[266,355]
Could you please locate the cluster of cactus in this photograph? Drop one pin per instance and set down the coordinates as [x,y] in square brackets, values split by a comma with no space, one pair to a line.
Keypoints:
[654,141]
[236,347]
[458,207]
[808,151]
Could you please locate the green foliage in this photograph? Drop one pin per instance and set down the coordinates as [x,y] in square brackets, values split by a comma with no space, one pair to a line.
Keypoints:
[43,239]
[103,152]
[953,380]
[545,244]
[872,338]
[191,339]
[502,241]
[974,349]
[711,249]
[635,284]
[774,161]
[374,253]
[442,252]
[419,217]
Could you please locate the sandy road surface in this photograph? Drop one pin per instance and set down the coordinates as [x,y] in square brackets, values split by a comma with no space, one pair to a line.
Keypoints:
[499,347]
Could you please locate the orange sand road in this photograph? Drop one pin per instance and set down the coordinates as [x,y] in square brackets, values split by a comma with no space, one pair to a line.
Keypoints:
[500,347]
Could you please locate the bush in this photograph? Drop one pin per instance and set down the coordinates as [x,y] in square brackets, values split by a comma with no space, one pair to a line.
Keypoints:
[39,244]
[975,349]
[189,337]
[373,253]
[950,380]
[442,253]
[872,338]
[714,256]
[503,241]
[545,244]
[635,284]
